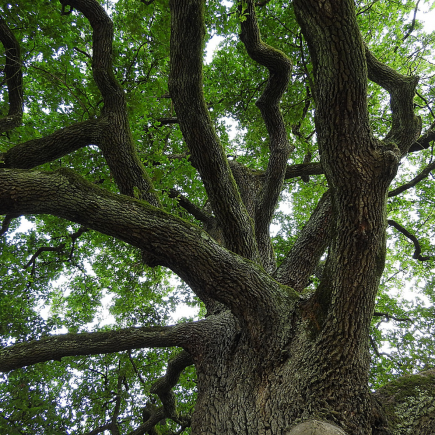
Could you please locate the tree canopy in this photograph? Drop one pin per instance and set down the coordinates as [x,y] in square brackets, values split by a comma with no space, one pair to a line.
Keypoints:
[137,177]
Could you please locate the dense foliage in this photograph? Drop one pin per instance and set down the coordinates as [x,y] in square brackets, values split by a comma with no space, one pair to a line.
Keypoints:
[57,276]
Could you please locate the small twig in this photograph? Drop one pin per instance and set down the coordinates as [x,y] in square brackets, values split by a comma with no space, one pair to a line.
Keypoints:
[142,381]
[65,84]
[83,52]
[262,3]
[32,261]
[425,102]
[74,237]
[100,429]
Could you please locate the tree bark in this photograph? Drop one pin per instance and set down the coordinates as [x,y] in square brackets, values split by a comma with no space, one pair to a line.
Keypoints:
[267,358]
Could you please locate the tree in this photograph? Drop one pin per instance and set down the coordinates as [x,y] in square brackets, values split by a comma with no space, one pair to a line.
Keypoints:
[115,147]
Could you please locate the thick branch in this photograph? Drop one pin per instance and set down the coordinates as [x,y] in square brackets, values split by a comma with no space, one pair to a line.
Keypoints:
[279,66]
[36,152]
[116,140]
[102,69]
[186,249]
[406,127]
[305,254]
[59,346]
[303,169]
[14,79]
[163,386]
[417,252]
[207,153]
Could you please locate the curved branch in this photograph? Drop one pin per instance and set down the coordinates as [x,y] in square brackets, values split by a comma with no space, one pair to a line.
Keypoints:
[14,79]
[417,252]
[421,176]
[28,155]
[424,141]
[155,416]
[116,141]
[406,127]
[279,66]
[187,250]
[102,37]
[411,28]
[207,153]
[163,386]
[99,429]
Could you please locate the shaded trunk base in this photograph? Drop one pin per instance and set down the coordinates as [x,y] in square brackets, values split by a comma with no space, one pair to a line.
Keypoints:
[269,391]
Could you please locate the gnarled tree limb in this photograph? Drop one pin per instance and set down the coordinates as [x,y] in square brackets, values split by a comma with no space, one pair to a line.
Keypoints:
[90,343]
[116,141]
[28,155]
[175,243]
[207,153]
[406,127]
[14,78]
[279,67]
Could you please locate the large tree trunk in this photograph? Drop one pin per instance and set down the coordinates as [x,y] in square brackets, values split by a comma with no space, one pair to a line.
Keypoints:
[270,387]
[267,358]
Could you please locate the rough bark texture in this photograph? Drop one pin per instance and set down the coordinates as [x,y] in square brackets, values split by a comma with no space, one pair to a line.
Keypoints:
[269,361]
[408,404]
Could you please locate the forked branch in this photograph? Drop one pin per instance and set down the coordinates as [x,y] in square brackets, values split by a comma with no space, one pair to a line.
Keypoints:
[117,143]
[184,248]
